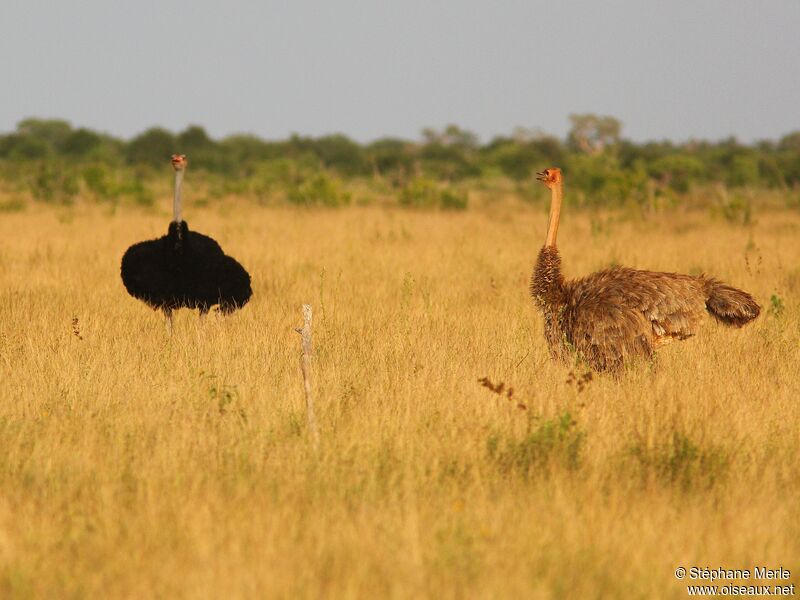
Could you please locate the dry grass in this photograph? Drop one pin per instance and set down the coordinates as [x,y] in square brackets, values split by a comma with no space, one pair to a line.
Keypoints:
[135,465]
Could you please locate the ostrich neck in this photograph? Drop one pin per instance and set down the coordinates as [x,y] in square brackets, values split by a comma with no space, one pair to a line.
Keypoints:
[555,214]
[176,201]
[547,284]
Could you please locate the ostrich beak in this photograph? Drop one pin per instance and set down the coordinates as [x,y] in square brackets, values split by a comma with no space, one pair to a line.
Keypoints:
[541,176]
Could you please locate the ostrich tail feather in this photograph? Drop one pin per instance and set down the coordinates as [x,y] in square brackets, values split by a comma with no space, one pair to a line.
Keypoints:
[730,306]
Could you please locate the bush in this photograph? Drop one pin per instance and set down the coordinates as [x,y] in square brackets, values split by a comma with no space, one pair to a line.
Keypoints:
[554,442]
[135,189]
[320,189]
[604,181]
[340,153]
[426,193]
[99,181]
[203,152]
[153,147]
[453,200]
[676,171]
[680,461]
[21,148]
[420,193]
[391,157]
[54,183]
[735,207]
[81,143]
[743,171]
[514,160]
[602,168]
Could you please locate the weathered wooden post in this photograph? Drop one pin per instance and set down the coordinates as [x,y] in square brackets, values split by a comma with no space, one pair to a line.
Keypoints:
[305,364]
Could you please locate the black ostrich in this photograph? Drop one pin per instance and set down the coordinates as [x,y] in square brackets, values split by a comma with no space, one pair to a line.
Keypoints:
[184,269]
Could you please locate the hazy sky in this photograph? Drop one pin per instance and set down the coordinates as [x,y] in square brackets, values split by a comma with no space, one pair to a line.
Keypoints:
[369,68]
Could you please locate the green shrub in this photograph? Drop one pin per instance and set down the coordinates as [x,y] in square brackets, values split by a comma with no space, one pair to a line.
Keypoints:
[12,205]
[54,183]
[426,193]
[23,148]
[391,157]
[136,190]
[743,171]
[153,147]
[81,143]
[280,172]
[320,189]
[676,171]
[554,442]
[602,168]
[735,207]
[341,154]
[604,182]
[99,181]
[453,200]
[680,461]
[776,306]
[420,193]
[513,159]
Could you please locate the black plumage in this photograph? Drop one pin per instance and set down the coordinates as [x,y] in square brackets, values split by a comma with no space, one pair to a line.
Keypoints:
[184,269]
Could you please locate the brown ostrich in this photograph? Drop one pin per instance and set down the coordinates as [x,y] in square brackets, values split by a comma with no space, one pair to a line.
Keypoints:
[611,317]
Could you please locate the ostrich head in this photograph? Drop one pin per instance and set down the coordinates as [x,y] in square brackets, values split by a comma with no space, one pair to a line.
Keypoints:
[179,162]
[550,177]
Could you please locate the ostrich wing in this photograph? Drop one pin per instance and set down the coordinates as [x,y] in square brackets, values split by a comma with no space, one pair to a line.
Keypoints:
[620,313]
[204,245]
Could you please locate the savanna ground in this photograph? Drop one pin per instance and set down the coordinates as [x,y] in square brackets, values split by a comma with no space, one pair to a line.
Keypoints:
[135,465]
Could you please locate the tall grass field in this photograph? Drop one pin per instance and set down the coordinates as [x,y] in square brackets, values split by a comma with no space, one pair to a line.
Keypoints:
[455,460]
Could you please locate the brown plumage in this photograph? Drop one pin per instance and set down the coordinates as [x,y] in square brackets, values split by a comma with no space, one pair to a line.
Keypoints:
[613,316]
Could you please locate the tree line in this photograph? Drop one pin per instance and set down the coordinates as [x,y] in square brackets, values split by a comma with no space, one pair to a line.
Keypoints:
[56,161]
